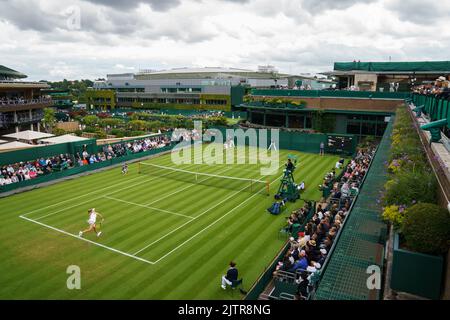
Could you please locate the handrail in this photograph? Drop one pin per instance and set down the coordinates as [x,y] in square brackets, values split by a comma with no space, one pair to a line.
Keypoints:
[19,102]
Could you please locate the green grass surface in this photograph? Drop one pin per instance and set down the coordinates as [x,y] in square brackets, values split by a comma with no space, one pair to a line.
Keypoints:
[186,233]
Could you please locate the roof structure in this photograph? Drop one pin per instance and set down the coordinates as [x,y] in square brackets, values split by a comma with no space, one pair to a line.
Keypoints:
[16,145]
[196,73]
[63,139]
[28,135]
[8,73]
[420,67]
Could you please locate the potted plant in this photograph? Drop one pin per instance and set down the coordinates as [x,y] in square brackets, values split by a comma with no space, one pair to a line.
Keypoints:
[419,247]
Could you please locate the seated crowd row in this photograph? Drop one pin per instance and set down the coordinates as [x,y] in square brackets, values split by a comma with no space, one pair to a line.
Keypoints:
[122,149]
[309,247]
[27,170]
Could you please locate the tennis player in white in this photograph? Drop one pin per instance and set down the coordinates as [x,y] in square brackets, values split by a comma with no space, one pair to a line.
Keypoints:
[92,222]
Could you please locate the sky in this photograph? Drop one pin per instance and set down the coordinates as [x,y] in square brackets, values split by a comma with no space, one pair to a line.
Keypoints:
[87,39]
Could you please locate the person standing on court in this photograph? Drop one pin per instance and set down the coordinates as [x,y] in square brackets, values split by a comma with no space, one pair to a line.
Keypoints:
[322,148]
[272,146]
[230,277]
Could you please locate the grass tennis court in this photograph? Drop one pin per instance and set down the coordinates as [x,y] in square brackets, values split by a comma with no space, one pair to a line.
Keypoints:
[164,236]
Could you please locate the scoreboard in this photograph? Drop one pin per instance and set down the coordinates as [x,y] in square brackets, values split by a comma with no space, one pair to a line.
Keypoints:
[341,144]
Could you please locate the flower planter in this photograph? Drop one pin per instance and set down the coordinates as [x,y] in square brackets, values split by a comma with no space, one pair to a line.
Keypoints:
[416,273]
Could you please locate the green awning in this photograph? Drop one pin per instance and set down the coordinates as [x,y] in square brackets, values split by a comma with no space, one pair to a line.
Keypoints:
[10,73]
[418,66]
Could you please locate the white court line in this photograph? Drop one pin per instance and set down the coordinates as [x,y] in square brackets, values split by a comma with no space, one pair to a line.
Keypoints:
[198,216]
[83,195]
[209,226]
[94,199]
[186,223]
[99,197]
[149,207]
[87,240]
[86,194]
[184,188]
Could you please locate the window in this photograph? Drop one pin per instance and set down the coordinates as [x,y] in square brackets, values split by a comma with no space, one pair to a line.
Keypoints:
[353,128]
[275,120]
[257,118]
[308,123]
[354,117]
[296,121]
[381,127]
[368,128]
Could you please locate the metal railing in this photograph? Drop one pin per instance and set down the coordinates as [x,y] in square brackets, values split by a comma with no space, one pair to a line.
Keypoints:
[5,102]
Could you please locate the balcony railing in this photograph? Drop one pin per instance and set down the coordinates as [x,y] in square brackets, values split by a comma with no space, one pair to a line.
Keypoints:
[6,102]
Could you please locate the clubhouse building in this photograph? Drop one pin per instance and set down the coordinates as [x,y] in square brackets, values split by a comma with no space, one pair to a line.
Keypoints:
[21,102]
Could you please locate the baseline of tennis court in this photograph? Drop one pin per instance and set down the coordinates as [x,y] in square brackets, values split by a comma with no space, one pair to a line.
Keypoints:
[161,214]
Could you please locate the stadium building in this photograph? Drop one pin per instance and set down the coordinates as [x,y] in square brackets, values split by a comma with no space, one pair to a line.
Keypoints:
[185,88]
[21,103]
[388,76]
[342,112]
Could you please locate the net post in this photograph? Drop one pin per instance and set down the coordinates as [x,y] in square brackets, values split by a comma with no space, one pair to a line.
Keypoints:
[139,167]
[268,187]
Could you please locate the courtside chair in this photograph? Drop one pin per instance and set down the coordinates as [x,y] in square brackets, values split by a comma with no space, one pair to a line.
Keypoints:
[235,285]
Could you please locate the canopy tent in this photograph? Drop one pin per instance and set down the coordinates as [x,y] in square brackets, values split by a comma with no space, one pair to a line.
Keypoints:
[63,139]
[15,145]
[28,135]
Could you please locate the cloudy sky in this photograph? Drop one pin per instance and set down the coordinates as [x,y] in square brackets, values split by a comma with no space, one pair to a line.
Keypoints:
[56,39]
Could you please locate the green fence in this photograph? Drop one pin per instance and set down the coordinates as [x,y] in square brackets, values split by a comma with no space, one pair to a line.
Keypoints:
[435,108]
[331,94]
[409,267]
[304,142]
[360,242]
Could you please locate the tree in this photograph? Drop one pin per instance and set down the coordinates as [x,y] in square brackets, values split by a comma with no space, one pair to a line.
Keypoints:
[49,119]
[138,125]
[91,120]
[111,122]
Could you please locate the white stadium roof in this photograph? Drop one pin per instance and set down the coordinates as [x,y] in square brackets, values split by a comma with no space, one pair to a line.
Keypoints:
[63,139]
[199,70]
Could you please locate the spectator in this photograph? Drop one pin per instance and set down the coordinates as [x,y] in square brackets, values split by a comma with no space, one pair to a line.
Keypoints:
[231,276]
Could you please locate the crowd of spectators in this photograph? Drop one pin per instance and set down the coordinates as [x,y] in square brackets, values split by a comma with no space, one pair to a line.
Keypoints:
[28,170]
[22,171]
[440,88]
[122,149]
[310,246]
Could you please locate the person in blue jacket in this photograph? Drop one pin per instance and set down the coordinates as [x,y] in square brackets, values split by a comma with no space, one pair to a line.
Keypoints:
[300,264]
[231,276]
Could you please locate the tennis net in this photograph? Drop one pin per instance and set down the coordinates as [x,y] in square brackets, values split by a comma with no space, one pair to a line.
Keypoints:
[213,180]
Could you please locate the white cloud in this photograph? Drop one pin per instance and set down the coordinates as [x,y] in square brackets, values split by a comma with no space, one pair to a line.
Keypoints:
[294,35]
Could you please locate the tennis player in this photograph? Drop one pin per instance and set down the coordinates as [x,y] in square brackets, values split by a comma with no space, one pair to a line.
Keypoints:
[92,222]
[125,168]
